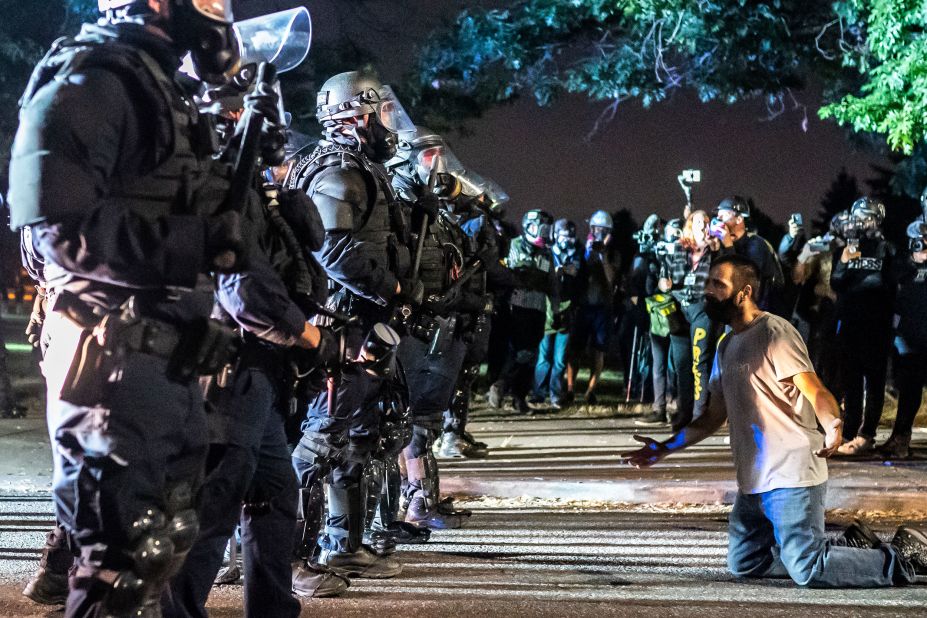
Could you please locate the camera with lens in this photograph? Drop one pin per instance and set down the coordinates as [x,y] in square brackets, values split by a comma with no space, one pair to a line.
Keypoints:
[646,239]
[917,245]
[821,244]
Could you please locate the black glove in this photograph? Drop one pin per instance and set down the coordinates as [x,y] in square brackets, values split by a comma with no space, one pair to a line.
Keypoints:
[447,186]
[302,216]
[428,205]
[441,304]
[227,243]
[328,352]
[265,102]
[411,292]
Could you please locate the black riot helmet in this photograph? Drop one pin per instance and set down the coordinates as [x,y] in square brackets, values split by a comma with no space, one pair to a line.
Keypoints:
[358,106]
[425,157]
[201,27]
[536,227]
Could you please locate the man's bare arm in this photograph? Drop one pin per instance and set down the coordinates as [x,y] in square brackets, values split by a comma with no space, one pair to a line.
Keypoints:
[693,433]
[825,407]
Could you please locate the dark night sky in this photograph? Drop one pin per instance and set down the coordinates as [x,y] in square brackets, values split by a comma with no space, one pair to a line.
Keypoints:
[539,156]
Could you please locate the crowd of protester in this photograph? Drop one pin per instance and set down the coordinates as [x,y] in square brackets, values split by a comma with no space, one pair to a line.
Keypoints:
[852,295]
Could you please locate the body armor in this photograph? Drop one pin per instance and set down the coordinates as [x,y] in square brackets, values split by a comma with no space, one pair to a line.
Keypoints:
[379,225]
[180,175]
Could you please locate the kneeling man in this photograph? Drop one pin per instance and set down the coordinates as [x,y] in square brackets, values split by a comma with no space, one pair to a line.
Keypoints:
[764,384]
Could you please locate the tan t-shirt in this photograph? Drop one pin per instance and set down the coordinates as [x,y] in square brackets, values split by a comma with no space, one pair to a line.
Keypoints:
[773,427]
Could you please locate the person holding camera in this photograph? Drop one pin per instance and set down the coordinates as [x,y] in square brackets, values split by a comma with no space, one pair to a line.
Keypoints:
[733,212]
[863,279]
[593,321]
[790,247]
[693,349]
[648,266]
[910,342]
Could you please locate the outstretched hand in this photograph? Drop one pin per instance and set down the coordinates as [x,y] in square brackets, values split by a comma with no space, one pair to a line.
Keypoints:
[646,456]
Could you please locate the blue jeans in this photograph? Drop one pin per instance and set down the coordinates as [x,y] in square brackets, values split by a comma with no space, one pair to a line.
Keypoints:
[551,365]
[780,533]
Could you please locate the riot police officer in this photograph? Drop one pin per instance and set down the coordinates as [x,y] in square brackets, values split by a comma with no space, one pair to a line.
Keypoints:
[113,169]
[364,253]
[476,218]
[433,350]
[249,462]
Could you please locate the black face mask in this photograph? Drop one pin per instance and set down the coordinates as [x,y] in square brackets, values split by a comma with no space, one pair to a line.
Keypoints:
[723,311]
[381,144]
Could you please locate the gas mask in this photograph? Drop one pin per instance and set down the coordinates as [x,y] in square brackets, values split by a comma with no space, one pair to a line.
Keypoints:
[565,242]
[599,234]
[536,227]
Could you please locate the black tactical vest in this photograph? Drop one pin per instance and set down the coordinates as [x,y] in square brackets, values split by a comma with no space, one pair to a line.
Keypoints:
[180,174]
[381,225]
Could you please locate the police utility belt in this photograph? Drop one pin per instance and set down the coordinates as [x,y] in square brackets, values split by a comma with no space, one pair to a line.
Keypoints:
[437,331]
[202,347]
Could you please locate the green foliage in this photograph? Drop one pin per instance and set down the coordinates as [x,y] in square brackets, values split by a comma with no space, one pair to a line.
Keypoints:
[727,50]
[893,99]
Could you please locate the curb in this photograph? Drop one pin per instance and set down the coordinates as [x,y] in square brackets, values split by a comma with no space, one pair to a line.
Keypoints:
[840,495]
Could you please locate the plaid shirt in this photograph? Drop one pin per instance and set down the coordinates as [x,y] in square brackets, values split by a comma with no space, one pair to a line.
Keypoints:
[689,282]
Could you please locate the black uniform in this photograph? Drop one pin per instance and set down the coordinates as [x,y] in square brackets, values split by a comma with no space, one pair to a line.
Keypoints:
[865,290]
[249,459]
[365,254]
[113,169]
[498,281]
[433,349]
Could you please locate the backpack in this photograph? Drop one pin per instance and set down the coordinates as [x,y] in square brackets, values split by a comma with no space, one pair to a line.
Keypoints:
[665,315]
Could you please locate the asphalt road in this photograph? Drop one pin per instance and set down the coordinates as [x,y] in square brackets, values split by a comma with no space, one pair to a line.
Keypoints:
[529,562]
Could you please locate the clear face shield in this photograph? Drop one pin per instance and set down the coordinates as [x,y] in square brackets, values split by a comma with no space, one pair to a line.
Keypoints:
[437,160]
[282,39]
[391,113]
[494,197]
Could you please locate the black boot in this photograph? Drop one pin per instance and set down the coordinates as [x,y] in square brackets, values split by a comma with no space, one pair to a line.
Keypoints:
[49,584]
[344,552]
[912,545]
[425,508]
